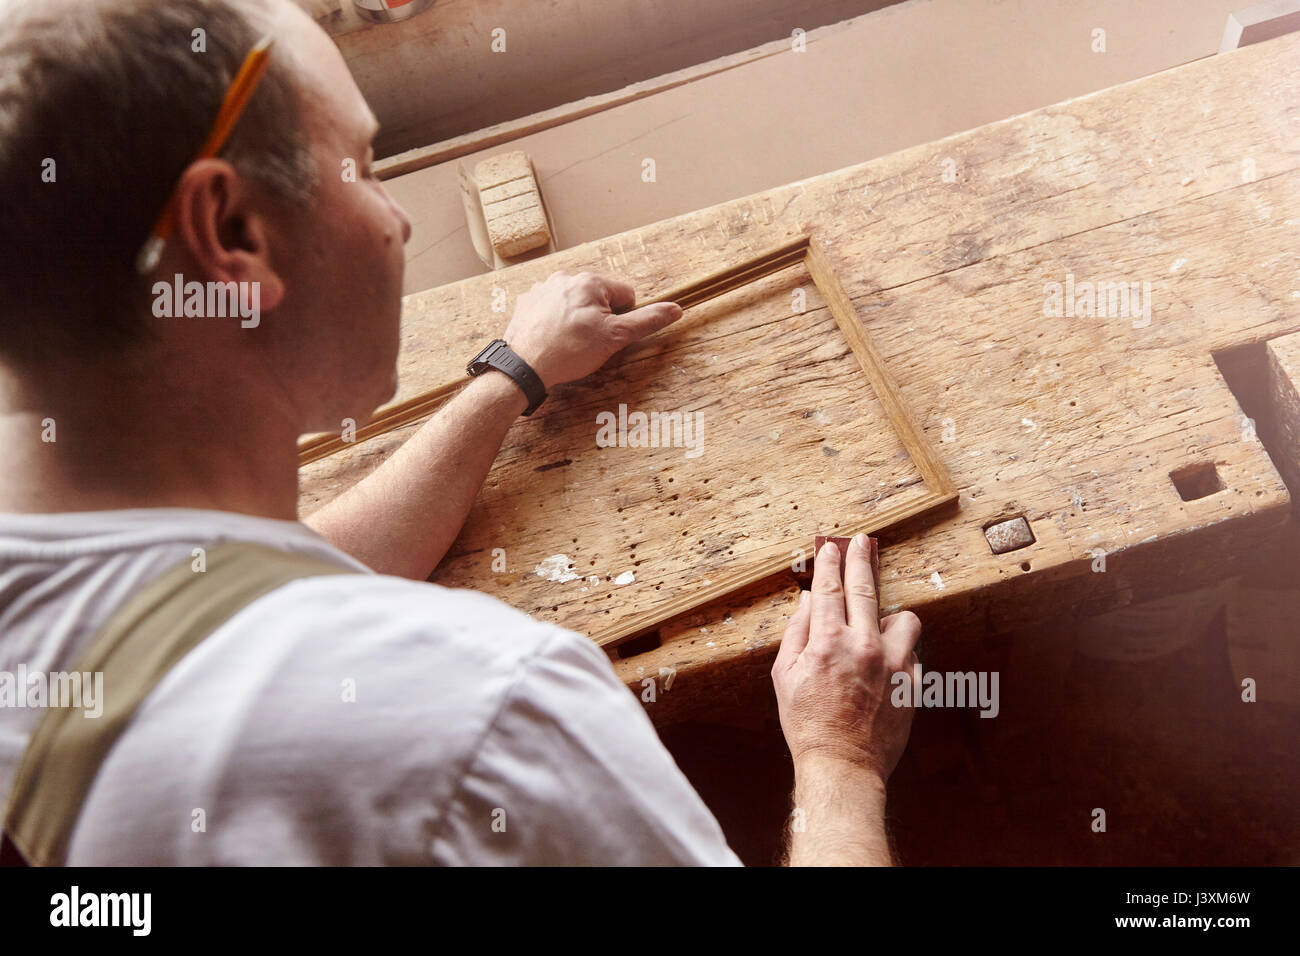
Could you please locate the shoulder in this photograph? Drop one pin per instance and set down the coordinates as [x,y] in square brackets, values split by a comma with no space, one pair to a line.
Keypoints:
[325,722]
[366,719]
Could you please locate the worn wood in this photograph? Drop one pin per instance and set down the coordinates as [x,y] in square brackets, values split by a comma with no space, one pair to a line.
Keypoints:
[767,553]
[691,294]
[1188,180]
[1284,398]
[655,540]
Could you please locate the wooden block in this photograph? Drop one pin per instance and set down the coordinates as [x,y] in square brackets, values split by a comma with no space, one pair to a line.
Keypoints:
[516,187]
[512,203]
[502,168]
[504,207]
[1284,394]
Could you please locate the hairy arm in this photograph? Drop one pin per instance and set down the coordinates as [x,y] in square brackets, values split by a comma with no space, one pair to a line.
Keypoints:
[402,518]
[832,678]
[838,817]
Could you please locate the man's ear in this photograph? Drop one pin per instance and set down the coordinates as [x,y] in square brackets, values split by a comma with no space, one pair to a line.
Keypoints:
[226,229]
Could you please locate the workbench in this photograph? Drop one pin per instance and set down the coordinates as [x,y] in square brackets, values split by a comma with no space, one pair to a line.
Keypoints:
[1116,437]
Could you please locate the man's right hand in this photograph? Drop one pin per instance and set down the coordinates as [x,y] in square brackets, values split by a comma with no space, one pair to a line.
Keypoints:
[832,679]
[571,325]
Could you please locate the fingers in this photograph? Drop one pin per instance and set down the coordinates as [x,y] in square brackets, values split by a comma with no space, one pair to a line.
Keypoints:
[827,592]
[636,325]
[860,594]
[619,298]
[620,295]
[899,633]
[606,291]
[795,638]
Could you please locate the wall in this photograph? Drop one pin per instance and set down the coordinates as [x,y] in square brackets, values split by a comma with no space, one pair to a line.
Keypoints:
[903,75]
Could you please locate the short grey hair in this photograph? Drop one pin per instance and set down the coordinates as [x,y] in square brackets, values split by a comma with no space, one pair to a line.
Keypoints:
[114,94]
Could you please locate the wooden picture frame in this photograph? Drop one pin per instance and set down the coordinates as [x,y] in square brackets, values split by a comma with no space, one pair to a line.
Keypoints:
[939,489]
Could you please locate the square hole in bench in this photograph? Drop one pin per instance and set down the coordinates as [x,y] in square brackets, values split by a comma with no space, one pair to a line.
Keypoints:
[1196,481]
[639,645]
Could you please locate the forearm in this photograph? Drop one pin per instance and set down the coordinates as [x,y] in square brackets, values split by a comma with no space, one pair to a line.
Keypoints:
[839,816]
[402,518]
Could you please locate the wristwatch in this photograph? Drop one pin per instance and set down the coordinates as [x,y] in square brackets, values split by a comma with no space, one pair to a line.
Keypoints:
[501,357]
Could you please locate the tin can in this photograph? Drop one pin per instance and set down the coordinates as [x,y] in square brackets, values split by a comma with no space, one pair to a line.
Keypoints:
[390,11]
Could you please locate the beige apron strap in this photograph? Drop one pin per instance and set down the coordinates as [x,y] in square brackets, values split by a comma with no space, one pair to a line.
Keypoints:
[140,643]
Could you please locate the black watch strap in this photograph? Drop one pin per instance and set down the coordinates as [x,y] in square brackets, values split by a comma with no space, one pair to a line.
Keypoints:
[501,357]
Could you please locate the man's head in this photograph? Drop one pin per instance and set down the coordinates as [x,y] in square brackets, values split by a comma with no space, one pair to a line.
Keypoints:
[103,106]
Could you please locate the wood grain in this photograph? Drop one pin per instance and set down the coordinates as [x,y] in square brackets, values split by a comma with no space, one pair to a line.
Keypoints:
[691,294]
[1284,397]
[1076,423]
[656,540]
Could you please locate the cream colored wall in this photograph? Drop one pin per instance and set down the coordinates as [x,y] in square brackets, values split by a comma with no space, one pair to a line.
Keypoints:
[903,75]
[435,76]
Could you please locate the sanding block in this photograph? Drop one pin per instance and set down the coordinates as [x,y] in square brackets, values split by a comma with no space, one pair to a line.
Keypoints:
[507,217]
[843,545]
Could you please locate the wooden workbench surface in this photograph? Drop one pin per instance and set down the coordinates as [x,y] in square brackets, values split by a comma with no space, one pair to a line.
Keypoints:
[1188,180]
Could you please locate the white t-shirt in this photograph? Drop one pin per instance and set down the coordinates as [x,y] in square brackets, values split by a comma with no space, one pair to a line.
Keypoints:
[474,733]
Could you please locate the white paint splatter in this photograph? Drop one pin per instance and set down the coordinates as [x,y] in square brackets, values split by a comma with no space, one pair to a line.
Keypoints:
[627,577]
[558,567]
[937,580]
[1178,264]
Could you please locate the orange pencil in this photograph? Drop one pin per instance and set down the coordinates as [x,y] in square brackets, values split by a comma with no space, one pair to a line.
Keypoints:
[232,106]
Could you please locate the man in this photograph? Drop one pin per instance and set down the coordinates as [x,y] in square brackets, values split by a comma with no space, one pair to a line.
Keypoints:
[350,718]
